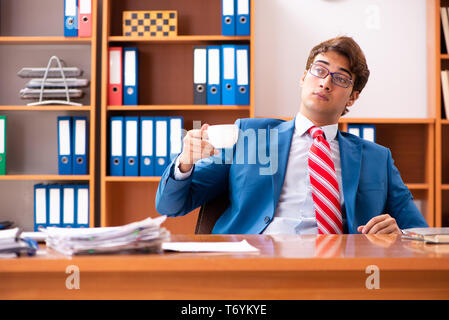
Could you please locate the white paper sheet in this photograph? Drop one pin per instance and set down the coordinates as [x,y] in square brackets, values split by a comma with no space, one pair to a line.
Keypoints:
[242,246]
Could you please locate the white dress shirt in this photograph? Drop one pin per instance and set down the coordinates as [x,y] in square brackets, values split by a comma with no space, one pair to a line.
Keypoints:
[295,213]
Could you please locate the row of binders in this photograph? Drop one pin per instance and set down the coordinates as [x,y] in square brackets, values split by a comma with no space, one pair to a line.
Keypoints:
[72,145]
[364,131]
[143,146]
[57,205]
[77,18]
[123,76]
[235,18]
[2,145]
[221,75]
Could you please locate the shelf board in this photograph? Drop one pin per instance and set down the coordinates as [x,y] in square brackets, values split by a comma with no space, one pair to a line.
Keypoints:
[44,177]
[445,187]
[196,107]
[46,108]
[444,121]
[132,179]
[44,40]
[417,186]
[444,56]
[177,39]
[388,120]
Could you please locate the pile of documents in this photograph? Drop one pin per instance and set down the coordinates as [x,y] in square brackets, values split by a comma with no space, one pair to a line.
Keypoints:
[427,235]
[12,244]
[54,86]
[142,236]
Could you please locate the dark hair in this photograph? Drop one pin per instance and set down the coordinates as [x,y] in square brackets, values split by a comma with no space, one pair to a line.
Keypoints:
[347,47]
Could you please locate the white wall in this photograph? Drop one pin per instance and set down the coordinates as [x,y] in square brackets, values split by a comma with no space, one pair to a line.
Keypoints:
[392,33]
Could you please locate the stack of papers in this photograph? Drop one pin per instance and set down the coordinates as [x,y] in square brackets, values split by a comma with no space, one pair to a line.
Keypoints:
[428,235]
[12,244]
[142,236]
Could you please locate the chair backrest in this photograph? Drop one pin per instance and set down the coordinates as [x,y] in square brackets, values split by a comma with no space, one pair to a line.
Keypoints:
[210,212]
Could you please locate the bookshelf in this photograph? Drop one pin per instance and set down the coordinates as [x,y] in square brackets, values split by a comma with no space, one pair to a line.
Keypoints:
[28,39]
[438,60]
[165,89]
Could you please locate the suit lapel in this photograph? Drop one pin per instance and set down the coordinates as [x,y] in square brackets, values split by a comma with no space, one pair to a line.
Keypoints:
[350,157]
[285,134]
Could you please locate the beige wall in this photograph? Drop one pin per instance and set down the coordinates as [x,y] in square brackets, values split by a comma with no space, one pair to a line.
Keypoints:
[391,33]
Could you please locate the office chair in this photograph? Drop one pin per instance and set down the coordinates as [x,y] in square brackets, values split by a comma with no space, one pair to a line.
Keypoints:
[210,212]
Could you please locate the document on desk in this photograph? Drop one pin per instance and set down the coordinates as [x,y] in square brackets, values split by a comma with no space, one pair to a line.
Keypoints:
[242,246]
[428,235]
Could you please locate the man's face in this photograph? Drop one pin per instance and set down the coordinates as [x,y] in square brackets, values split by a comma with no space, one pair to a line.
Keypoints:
[323,101]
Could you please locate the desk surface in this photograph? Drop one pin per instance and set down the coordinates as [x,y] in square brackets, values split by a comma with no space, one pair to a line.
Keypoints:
[281,258]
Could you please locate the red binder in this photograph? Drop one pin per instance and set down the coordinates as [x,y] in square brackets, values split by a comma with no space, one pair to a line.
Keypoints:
[115,76]
[84,18]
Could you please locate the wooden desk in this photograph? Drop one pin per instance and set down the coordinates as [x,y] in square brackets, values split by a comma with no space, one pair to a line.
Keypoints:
[287,267]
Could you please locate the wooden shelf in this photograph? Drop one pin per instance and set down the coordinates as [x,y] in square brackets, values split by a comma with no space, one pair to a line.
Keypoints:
[445,187]
[46,108]
[444,121]
[179,107]
[132,179]
[417,186]
[444,56]
[44,40]
[177,39]
[12,177]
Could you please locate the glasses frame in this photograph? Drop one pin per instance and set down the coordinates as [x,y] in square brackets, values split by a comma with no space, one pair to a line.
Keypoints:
[332,75]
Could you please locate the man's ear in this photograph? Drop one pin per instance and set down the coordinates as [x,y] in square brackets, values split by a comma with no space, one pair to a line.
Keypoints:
[353,97]
[301,82]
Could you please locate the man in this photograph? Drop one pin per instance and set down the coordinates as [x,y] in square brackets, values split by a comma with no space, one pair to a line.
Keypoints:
[324,181]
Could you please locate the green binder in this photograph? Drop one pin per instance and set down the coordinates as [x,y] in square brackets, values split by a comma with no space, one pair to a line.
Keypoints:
[2,145]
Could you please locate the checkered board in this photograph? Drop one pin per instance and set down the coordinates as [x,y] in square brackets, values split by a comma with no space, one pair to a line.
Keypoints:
[150,23]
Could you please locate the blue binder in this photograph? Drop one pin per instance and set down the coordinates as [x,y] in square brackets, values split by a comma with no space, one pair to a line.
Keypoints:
[68,206]
[213,75]
[228,82]
[242,70]
[369,132]
[130,76]
[82,211]
[176,136]
[40,206]
[65,157]
[242,21]
[79,145]
[161,130]
[228,17]
[54,207]
[131,146]
[116,146]
[147,140]
[70,18]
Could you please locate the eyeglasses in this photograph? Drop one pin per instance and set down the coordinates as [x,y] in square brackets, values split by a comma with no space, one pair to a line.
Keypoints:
[338,79]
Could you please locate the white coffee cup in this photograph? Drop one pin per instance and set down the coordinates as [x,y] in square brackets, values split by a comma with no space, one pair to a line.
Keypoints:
[223,135]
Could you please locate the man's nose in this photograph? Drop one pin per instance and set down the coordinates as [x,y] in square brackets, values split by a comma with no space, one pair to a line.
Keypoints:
[326,83]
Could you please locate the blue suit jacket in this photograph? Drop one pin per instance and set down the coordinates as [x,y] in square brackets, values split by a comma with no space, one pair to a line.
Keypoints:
[371,183]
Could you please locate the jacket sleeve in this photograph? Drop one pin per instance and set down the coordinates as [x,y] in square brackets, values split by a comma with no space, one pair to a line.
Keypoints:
[179,197]
[400,203]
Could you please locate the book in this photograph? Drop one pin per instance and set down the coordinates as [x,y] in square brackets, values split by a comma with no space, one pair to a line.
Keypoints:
[445,24]
[445,89]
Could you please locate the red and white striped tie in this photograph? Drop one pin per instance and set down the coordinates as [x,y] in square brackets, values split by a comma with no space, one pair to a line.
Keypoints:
[325,191]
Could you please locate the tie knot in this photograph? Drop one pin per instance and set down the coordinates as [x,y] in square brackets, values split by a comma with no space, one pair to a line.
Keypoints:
[316,132]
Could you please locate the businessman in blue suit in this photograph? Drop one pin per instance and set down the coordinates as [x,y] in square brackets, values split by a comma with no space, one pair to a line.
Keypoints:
[274,194]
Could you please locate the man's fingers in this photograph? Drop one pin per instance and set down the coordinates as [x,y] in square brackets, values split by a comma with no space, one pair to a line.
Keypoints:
[373,222]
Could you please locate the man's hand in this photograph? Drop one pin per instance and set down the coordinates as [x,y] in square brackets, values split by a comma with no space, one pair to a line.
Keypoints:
[380,224]
[195,148]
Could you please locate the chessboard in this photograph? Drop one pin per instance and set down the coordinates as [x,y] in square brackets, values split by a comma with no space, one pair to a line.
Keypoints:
[150,23]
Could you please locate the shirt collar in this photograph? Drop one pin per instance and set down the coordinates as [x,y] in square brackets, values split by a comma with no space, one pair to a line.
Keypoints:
[302,124]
